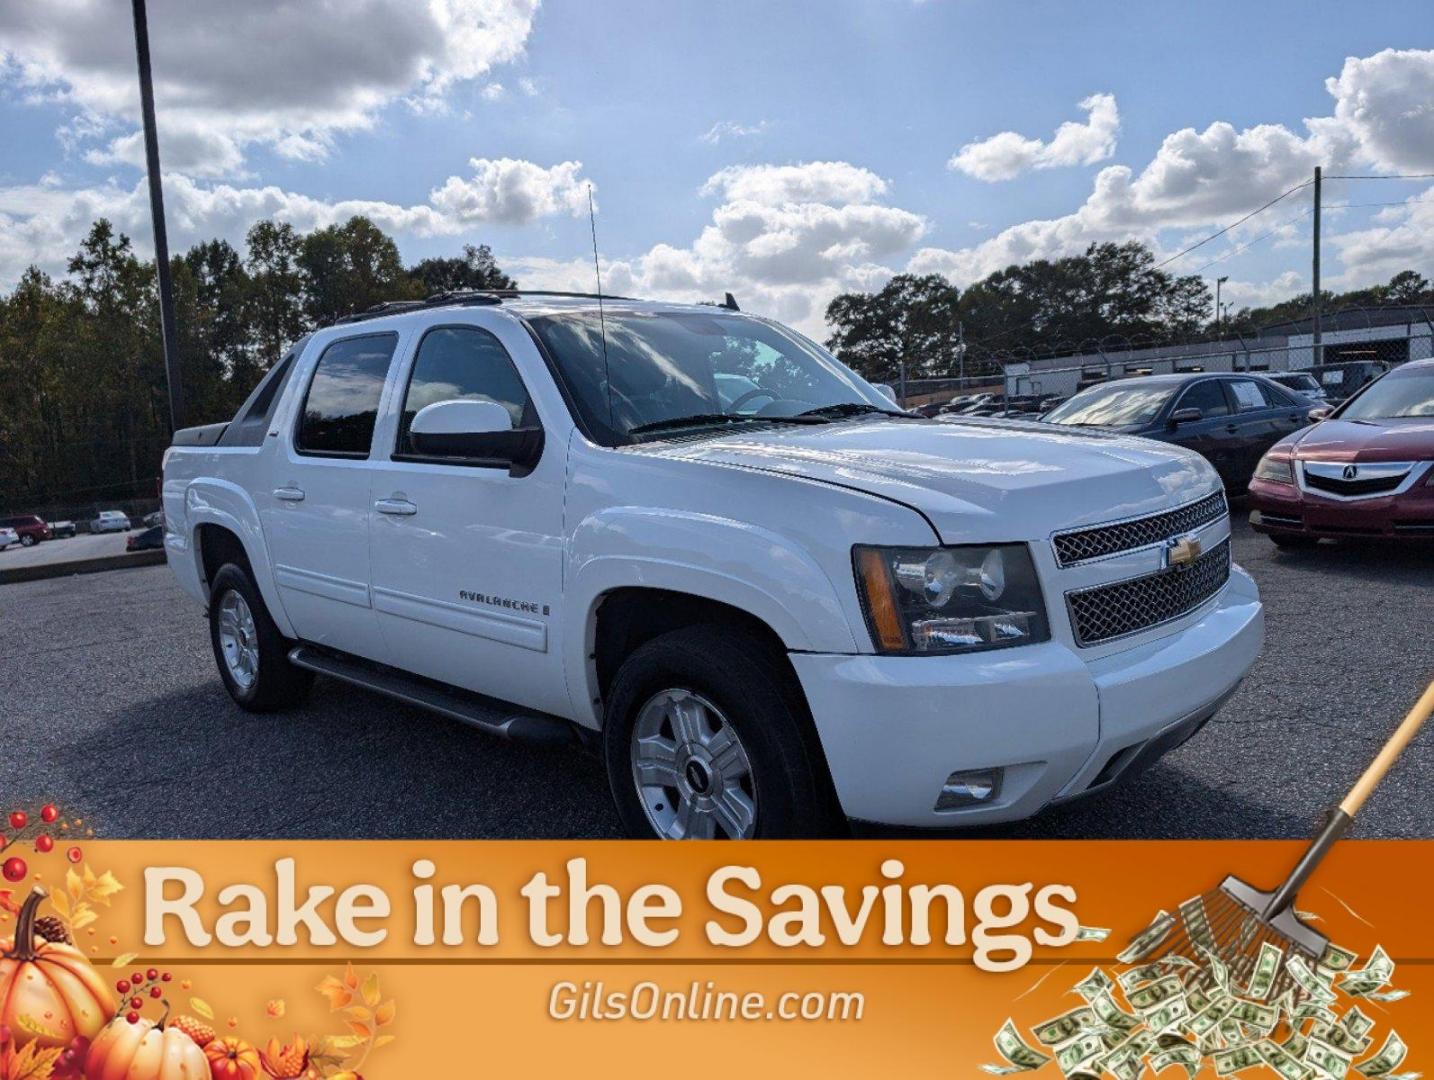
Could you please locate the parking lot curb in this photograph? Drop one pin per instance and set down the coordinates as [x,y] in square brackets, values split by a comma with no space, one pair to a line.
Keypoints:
[17,574]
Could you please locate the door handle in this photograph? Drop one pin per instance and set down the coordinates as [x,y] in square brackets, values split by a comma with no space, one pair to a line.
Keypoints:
[1231,428]
[397,507]
[289,494]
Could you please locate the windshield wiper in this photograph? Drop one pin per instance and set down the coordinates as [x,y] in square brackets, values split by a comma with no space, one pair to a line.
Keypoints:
[855,408]
[712,419]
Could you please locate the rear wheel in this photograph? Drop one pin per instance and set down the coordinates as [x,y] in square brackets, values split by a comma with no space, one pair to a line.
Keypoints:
[27,540]
[252,655]
[704,739]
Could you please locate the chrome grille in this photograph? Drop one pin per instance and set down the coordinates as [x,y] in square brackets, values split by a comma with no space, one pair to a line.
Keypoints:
[1094,543]
[1107,612]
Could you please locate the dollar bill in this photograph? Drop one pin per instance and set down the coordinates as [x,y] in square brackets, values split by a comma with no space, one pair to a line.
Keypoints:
[1267,966]
[1168,1015]
[1236,1059]
[1387,995]
[1112,1015]
[1355,1022]
[1208,1019]
[1329,1060]
[1186,1056]
[1282,1061]
[1019,1056]
[1149,939]
[1079,1052]
[1313,1010]
[1197,922]
[1067,1026]
[1375,974]
[1308,981]
[1094,984]
[1296,1044]
[1144,973]
[1092,933]
[1153,995]
[1391,1055]
[1340,1037]
[1217,969]
[1335,958]
[1257,1015]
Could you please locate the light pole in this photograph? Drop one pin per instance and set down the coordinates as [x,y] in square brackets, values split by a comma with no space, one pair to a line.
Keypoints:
[156,209]
[1218,317]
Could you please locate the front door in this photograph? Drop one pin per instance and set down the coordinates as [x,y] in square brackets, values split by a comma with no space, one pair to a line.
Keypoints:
[1213,434]
[467,558]
[316,510]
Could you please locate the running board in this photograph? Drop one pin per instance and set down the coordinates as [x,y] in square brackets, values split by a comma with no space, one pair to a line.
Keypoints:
[483,713]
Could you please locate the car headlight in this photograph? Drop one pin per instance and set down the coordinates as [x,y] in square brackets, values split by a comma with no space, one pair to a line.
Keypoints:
[950,599]
[1279,470]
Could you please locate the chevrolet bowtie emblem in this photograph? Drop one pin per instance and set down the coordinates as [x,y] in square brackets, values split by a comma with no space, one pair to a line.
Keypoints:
[1182,551]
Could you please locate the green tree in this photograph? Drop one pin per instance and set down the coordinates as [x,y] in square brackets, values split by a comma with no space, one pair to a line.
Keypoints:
[475,269]
[351,267]
[274,306]
[911,318]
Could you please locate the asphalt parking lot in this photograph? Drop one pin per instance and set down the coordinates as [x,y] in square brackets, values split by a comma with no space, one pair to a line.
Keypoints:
[70,549]
[109,703]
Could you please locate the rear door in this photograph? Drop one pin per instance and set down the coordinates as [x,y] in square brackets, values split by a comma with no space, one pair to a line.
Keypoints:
[1263,416]
[316,510]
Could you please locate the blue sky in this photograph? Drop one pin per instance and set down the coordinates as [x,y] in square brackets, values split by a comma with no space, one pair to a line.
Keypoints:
[784,151]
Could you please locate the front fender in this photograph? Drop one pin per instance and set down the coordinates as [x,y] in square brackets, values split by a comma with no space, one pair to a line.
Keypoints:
[209,501]
[736,563]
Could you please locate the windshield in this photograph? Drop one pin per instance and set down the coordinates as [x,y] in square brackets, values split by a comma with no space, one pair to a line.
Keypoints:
[1298,382]
[666,365]
[1112,406]
[1401,394]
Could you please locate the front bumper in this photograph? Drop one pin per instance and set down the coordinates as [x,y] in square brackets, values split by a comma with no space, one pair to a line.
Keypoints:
[894,727]
[1285,510]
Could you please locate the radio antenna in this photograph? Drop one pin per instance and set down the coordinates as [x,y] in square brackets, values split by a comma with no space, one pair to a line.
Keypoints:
[602,319]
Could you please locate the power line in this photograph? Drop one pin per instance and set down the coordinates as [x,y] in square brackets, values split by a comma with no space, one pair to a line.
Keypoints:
[1386,176]
[1233,225]
[1251,243]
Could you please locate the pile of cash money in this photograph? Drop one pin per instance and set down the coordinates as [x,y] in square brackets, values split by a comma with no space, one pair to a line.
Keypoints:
[1300,1019]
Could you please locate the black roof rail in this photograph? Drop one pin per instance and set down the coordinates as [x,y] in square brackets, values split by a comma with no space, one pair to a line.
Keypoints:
[472,296]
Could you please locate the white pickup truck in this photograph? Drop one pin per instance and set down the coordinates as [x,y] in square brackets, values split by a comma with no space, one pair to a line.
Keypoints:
[695,540]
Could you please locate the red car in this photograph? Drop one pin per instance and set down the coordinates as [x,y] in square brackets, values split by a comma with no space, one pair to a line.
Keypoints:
[1365,471]
[31,529]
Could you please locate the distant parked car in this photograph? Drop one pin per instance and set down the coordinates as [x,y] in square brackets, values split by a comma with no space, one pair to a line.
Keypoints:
[1302,383]
[1230,419]
[151,520]
[153,537]
[1343,380]
[7,537]
[110,521]
[31,528]
[62,529]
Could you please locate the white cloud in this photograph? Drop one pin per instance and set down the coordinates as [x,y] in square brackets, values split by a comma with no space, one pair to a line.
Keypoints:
[494,91]
[730,129]
[1400,238]
[1386,103]
[812,182]
[1009,154]
[267,72]
[512,192]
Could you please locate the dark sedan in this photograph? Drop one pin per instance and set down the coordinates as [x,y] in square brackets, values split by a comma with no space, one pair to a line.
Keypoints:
[1230,419]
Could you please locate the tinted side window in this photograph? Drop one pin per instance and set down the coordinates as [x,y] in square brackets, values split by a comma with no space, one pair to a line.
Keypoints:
[463,363]
[1206,396]
[342,403]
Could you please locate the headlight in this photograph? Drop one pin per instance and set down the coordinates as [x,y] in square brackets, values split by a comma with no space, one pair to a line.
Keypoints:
[950,599]
[1276,470]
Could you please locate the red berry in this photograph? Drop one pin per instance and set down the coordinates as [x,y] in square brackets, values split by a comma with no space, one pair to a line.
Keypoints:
[44,844]
[15,869]
[166,977]
[122,986]
[155,991]
[68,1057]
[49,813]
[136,1003]
[132,1017]
[137,978]
[19,819]
[74,854]
[152,974]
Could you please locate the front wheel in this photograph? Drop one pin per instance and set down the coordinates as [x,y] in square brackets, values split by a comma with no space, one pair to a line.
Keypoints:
[705,738]
[27,541]
[253,656]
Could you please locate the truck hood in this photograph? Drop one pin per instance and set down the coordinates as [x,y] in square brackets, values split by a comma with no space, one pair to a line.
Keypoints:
[976,480]
[1397,439]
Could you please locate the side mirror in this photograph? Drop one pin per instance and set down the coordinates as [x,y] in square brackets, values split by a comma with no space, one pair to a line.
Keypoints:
[1320,412]
[887,392]
[1185,416]
[477,433]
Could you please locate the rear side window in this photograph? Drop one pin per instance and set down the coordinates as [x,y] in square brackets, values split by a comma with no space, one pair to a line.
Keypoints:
[1206,396]
[463,363]
[341,406]
[1251,395]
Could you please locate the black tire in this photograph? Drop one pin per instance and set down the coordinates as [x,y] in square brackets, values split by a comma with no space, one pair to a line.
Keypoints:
[278,684]
[27,541]
[1292,543]
[758,695]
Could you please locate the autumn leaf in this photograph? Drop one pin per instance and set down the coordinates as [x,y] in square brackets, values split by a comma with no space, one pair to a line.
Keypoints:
[103,888]
[371,993]
[33,1063]
[351,977]
[338,994]
[7,902]
[202,1007]
[276,1008]
[84,915]
[383,1040]
[341,1042]
[74,885]
[61,903]
[384,1014]
[359,1013]
[123,960]
[363,1031]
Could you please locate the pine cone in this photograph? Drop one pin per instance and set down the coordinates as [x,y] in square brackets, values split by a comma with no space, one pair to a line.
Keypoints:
[52,929]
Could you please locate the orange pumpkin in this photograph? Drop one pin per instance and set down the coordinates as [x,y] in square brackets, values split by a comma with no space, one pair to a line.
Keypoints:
[49,994]
[232,1059]
[144,1051]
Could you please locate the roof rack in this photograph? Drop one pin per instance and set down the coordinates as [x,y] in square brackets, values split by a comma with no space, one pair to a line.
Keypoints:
[456,297]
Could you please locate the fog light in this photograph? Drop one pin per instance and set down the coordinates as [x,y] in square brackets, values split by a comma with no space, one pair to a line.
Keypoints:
[969,788]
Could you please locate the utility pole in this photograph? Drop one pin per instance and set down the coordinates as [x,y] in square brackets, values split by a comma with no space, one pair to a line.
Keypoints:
[1315,295]
[156,210]
[1219,316]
